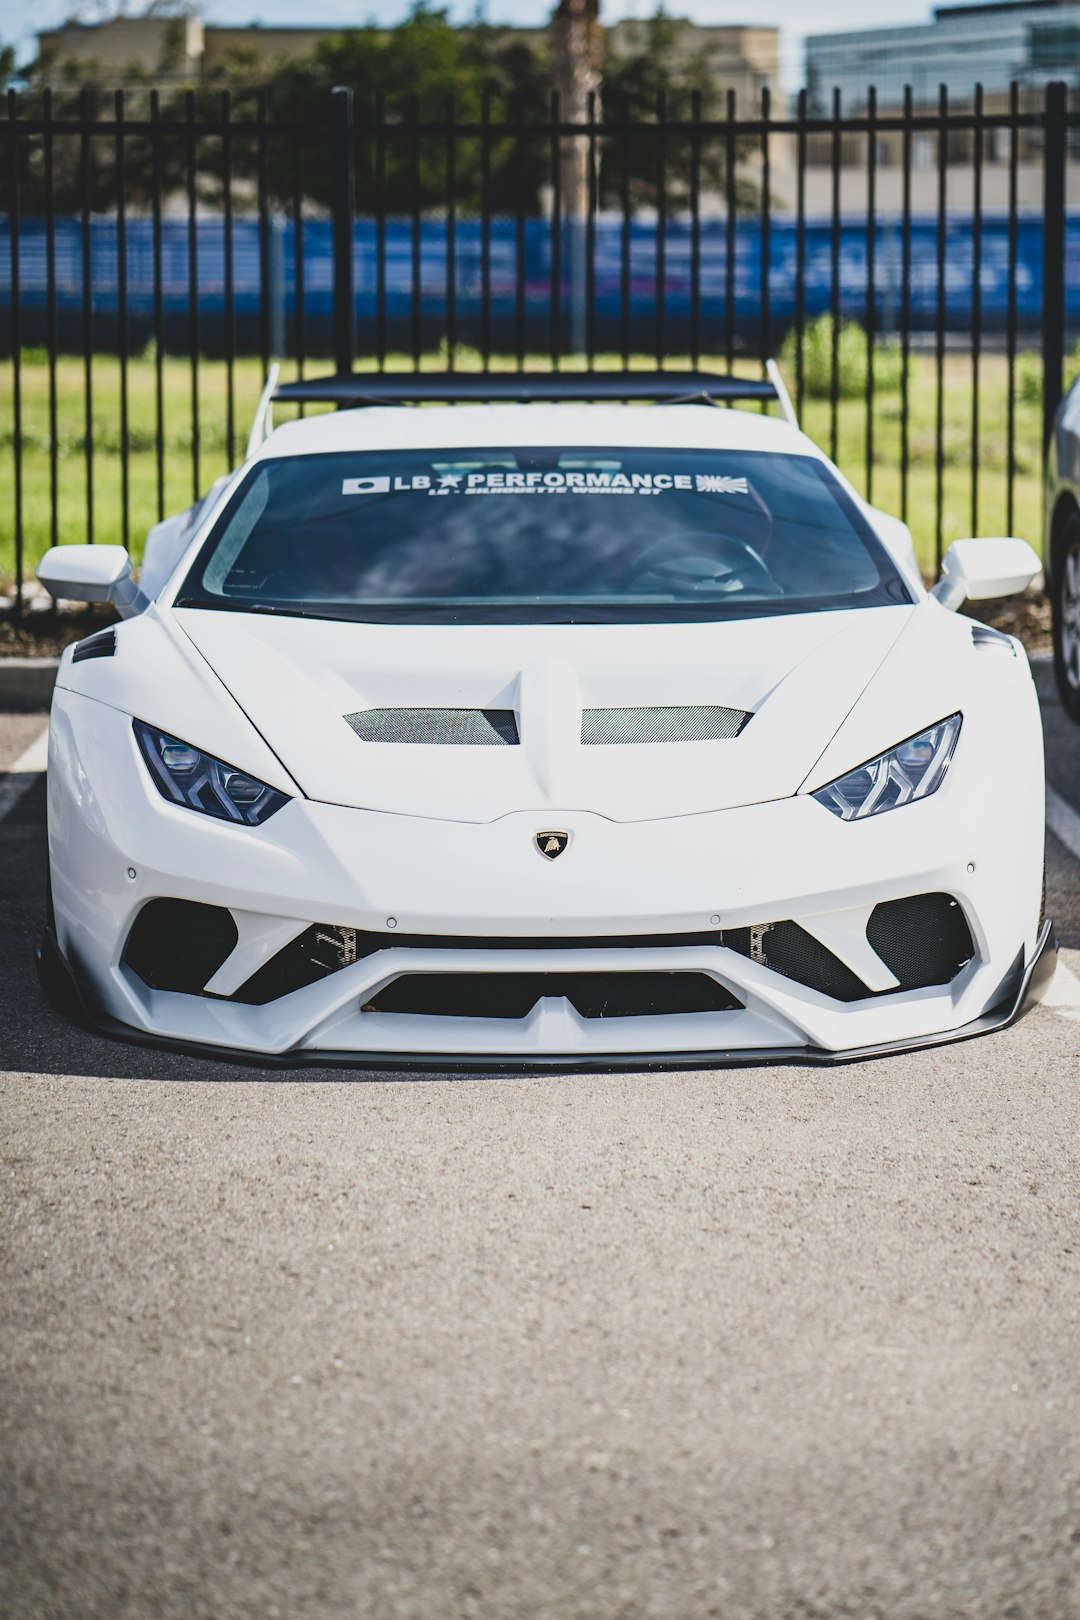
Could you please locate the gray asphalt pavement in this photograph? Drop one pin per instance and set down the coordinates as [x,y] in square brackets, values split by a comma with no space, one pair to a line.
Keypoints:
[783,1343]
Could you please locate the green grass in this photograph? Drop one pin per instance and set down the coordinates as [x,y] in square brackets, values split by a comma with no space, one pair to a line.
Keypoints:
[179,487]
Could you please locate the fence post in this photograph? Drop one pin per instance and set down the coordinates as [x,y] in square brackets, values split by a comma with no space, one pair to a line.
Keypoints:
[275,289]
[344,216]
[1053,287]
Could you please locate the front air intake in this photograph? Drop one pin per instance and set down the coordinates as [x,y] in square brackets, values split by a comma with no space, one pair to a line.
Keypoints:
[469,728]
[924,939]
[788,949]
[514,995]
[179,944]
[703,722]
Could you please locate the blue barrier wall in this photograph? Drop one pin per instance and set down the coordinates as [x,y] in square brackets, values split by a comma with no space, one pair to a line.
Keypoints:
[317,281]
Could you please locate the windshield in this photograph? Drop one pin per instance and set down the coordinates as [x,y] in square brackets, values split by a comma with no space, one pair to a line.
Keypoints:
[538,535]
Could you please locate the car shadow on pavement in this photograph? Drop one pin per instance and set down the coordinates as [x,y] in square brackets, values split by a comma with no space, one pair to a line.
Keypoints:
[1063,893]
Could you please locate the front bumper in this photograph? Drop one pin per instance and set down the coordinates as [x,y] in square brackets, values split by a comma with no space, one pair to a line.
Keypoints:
[115,845]
[61,987]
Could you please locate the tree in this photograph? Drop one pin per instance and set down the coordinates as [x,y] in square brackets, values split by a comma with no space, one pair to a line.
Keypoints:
[647,73]
[575,38]
[423,70]
[96,12]
[8,67]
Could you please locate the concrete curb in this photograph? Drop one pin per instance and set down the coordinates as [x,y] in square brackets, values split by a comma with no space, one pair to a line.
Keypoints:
[27,683]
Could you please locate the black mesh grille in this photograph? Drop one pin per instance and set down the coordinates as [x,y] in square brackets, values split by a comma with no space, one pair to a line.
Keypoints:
[324,948]
[790,950]
[472,728]
[102,645]
[702,723]
[924,939]
[179,944]
[514,995]
[313,955]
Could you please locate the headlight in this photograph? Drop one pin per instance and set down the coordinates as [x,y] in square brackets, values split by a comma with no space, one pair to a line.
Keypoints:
[198,781]
[912,770]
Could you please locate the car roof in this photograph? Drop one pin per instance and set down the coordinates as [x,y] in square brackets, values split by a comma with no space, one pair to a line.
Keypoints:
[654,427]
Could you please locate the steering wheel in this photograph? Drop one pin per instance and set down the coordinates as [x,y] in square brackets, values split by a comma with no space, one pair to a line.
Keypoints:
[742,569]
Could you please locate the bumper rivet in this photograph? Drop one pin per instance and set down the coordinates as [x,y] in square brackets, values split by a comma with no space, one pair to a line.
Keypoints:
[391,922]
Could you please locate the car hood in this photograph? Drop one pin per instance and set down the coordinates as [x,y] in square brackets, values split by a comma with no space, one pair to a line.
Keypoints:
[797,677]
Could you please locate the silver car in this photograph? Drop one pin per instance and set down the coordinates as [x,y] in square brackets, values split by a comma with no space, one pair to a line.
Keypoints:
[1062,551]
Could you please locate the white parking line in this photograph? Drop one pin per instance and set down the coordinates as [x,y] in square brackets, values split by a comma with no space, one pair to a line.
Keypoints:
[1063,821]
[24,773]
[1063,996]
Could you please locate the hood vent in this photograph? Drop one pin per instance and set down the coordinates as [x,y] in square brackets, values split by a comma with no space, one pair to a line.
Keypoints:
[700,723]
[101,645]
[984,636]
[470,728]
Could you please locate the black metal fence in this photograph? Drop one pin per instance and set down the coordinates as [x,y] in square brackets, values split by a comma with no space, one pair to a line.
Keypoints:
[138,239]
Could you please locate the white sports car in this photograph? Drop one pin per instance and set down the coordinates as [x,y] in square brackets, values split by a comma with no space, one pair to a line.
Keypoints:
[541,727]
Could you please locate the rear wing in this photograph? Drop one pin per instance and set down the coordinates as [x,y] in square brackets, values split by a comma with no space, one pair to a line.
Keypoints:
[521,388]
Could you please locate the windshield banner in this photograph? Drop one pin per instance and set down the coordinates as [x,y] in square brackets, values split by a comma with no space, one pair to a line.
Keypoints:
[546,483]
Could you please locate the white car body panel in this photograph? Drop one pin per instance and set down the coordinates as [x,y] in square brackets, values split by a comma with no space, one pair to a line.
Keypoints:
[794,674]
[665,839]
[930,671]
[164,674]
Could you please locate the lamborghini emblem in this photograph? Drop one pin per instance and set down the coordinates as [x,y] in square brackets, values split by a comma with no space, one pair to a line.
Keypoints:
[551,844]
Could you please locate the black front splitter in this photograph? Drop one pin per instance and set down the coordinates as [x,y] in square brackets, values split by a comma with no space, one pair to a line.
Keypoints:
[63,991]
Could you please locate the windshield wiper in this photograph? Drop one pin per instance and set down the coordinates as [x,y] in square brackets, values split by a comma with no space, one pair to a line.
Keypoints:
[251,607]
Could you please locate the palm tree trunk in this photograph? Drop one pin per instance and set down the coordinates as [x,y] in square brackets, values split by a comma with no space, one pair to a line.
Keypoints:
[575,29]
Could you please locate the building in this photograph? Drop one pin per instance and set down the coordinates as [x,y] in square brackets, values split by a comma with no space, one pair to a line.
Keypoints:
[162,50]
[186,51]
[994,44]
[739,58]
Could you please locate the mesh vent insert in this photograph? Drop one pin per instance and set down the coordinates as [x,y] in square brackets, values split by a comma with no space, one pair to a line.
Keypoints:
[699,723]
[475,728]
[924,939]
[179,944]
[514,995]
[790,950]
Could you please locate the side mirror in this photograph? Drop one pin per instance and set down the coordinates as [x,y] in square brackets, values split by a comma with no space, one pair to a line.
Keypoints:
[92,574]
[974,570]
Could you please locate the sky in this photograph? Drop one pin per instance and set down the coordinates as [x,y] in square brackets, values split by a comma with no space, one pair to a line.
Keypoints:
[20,18]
